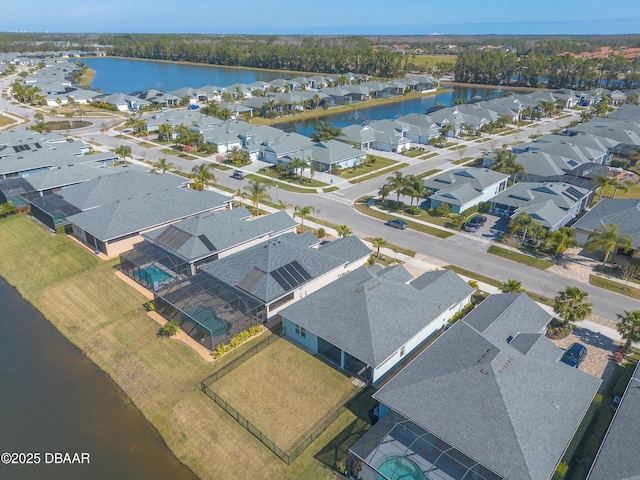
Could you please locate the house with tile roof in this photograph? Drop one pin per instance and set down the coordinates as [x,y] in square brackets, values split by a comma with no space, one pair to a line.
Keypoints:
[488,399]
[371,319]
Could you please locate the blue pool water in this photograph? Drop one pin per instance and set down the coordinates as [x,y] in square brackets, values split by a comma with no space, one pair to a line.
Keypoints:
[208,318]
[152,275]
[399,468]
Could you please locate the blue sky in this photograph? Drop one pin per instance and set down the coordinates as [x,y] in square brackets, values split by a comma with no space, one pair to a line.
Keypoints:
[363,17]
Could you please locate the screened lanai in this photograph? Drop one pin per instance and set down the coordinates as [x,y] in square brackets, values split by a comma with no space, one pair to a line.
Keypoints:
[396,448]
[52,210]
[152,267]
[208,310]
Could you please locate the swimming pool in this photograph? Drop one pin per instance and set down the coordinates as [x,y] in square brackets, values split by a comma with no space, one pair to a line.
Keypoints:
[400,468]
[152,275]
[207,318]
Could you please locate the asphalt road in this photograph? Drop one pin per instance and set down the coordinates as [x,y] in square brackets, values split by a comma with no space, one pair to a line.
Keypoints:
[605,303]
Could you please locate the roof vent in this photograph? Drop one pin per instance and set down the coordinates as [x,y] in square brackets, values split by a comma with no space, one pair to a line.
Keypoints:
[556,405]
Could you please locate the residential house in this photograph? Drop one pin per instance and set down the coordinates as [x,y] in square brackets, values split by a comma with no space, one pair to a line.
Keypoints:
[487,400]
[251,286]
[553,205]
[371,319]
[180,248]
[624,213]
[463,188]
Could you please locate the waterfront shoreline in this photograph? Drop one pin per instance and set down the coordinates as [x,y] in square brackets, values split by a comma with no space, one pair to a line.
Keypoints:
[81,296]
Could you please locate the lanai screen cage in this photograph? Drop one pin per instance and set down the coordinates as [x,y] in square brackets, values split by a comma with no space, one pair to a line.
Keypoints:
[209,310]
[152,267]
[53,210]
[396,448]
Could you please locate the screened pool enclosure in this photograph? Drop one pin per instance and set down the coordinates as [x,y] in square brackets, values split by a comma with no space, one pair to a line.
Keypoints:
[208,310]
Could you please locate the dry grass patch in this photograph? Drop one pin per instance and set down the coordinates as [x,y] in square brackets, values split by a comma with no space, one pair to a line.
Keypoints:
[255,390]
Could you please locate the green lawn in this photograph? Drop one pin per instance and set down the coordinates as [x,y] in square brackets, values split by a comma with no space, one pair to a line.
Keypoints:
[413,153]
[520,257]
[431,60]
[633,192]
[429,155]
[386,171]
[392,246]
[474,275]
[428,173]
[380,163]
[101,314]
[614,286]
[312,387]
[462,160]
[361,206]
[284,186]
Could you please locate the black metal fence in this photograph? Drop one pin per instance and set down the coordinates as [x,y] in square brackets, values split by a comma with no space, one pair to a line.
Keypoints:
[301,444]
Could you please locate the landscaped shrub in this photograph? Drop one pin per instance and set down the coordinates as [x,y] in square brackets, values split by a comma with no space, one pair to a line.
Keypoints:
[169,329]
[414,210]
[236,340]
[561,471]
[321,233]
[443,210]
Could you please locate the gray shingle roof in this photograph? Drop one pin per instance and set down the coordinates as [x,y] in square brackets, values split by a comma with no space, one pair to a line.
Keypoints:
[251,269]
[511,411]
[221,230]
[370,314]
[623,212]
[134,214]
[618,455]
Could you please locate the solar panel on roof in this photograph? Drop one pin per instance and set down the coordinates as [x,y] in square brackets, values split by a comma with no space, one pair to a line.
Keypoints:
[207,243]
[251,279]
[291,275]
[172,238]
[573,193]
[286,286]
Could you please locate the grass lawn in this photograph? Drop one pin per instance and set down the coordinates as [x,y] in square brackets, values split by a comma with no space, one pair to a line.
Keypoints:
[428,173]
[474,275]
[391,246]
[282,185]
[614,286]
[313,388]
[429,155]
[633,192]
[361,206]
[82,297]
[431,60]
[380,162]
[413,153]
[520,257]
[386,171]
[462,160]
[4,121]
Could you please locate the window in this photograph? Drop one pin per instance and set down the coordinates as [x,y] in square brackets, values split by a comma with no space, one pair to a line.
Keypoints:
[300,330]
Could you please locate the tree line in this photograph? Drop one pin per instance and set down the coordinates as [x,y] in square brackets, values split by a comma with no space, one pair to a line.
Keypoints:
[540,70]
[310,55]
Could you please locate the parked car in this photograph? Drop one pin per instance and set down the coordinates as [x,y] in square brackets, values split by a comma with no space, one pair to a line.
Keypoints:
[239,174]
[574,355]
[397,223]
[193,107]
[475,223]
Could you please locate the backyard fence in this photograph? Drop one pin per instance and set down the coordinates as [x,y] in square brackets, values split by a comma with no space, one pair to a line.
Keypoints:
[301,444]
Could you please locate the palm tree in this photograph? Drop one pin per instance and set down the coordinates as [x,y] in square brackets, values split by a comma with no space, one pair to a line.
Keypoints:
[162,166]
[511,286]
[69,116]
[378,243]
[203,176]
[257,192]
[619,185]
[602,181]
[521,222]
[303,212]
[570,305]
[325,131]
[282,205]
[396,184]
[236,156]
[607,239]
[384,192]
[560,240]
[344,231]
[316,100]
[506,162]
[629,327]
[165,130]
[53,113]
[38,117]
[445,129]
[123,151]
[298,164]
[240,194]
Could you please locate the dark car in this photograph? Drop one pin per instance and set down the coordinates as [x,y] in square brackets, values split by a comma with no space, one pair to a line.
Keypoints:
[475,223]
[574,355]
[397,223]
[239,174]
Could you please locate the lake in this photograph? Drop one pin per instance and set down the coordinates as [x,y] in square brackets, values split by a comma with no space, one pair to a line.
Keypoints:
[125,75]
[54,399]
[129,75]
